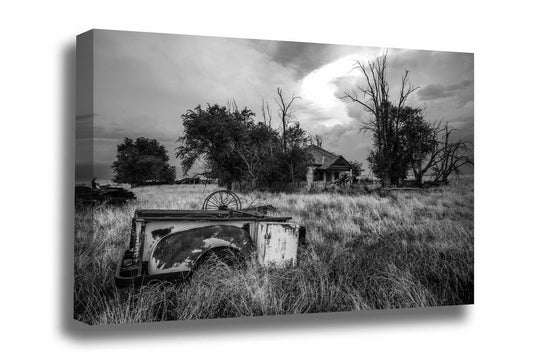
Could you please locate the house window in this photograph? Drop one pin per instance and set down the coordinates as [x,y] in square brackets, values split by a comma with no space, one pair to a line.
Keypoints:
[318,175]
[336,175]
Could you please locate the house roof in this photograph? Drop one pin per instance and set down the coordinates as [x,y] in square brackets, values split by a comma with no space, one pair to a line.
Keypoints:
[325,159]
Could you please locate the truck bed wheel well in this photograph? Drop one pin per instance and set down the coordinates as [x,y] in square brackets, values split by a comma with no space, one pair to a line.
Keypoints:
[228,255]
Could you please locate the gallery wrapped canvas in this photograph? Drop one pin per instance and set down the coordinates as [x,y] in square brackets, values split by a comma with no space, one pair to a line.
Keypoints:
[224,177]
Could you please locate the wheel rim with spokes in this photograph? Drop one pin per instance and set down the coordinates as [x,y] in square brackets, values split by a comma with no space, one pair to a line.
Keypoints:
[222,200]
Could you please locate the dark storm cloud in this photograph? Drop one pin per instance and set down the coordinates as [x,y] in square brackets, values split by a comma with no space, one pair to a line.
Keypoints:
[461,91]
[349,85]
[439,75]
[452,64]
[303,57]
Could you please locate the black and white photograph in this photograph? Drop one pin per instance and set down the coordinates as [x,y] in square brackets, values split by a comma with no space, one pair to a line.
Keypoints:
[225,177]
[288,176]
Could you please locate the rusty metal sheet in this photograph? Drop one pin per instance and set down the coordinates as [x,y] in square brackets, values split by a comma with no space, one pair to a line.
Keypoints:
[157,229]
[179,251]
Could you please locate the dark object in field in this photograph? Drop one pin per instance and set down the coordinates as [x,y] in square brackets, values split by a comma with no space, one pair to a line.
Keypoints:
[171,244]
[103,194]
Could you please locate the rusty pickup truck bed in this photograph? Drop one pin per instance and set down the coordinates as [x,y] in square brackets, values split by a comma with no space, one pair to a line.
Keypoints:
[170,244]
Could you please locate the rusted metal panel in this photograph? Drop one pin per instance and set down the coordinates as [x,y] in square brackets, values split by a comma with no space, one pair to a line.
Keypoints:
[155,230]
[179,251]
[277,244]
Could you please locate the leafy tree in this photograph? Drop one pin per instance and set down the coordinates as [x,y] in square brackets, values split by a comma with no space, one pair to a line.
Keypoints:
[421,141]
[215,135]
[294,160]
[295,136]
[142,161]
[406,149]
[388,157]
[236,148]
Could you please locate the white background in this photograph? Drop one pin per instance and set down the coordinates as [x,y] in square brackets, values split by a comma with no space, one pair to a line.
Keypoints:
[36,84]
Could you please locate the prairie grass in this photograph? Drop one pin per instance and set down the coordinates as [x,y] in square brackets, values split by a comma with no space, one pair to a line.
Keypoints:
[369,251]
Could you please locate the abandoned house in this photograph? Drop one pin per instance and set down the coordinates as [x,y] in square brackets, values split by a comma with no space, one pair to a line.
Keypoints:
[327,166]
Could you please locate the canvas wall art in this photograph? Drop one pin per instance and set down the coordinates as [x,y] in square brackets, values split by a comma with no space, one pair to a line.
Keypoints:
[224,177]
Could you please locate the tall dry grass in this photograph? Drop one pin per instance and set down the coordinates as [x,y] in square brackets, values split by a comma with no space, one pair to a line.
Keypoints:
[376,251]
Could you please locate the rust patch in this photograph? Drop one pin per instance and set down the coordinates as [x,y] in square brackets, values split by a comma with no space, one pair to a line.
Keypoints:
[187,246]
[161,232]
[289,227]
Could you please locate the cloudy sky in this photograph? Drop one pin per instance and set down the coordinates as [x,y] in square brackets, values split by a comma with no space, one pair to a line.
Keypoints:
[144,82]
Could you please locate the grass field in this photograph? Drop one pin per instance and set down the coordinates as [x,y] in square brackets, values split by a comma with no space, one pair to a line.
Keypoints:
[373,251]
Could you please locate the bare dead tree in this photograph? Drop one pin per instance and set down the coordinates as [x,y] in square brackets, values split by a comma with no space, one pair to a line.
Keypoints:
[385,122]
[318,140]
[266,112]
[232,105]
[285,113]
[453,153]
[252,157]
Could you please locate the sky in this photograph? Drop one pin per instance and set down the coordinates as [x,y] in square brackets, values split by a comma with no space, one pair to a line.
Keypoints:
[143,82]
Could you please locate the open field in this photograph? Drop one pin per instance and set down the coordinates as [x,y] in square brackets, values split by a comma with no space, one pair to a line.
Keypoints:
[375,251]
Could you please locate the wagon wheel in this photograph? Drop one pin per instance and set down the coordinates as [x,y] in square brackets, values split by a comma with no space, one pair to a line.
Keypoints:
[222,200]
